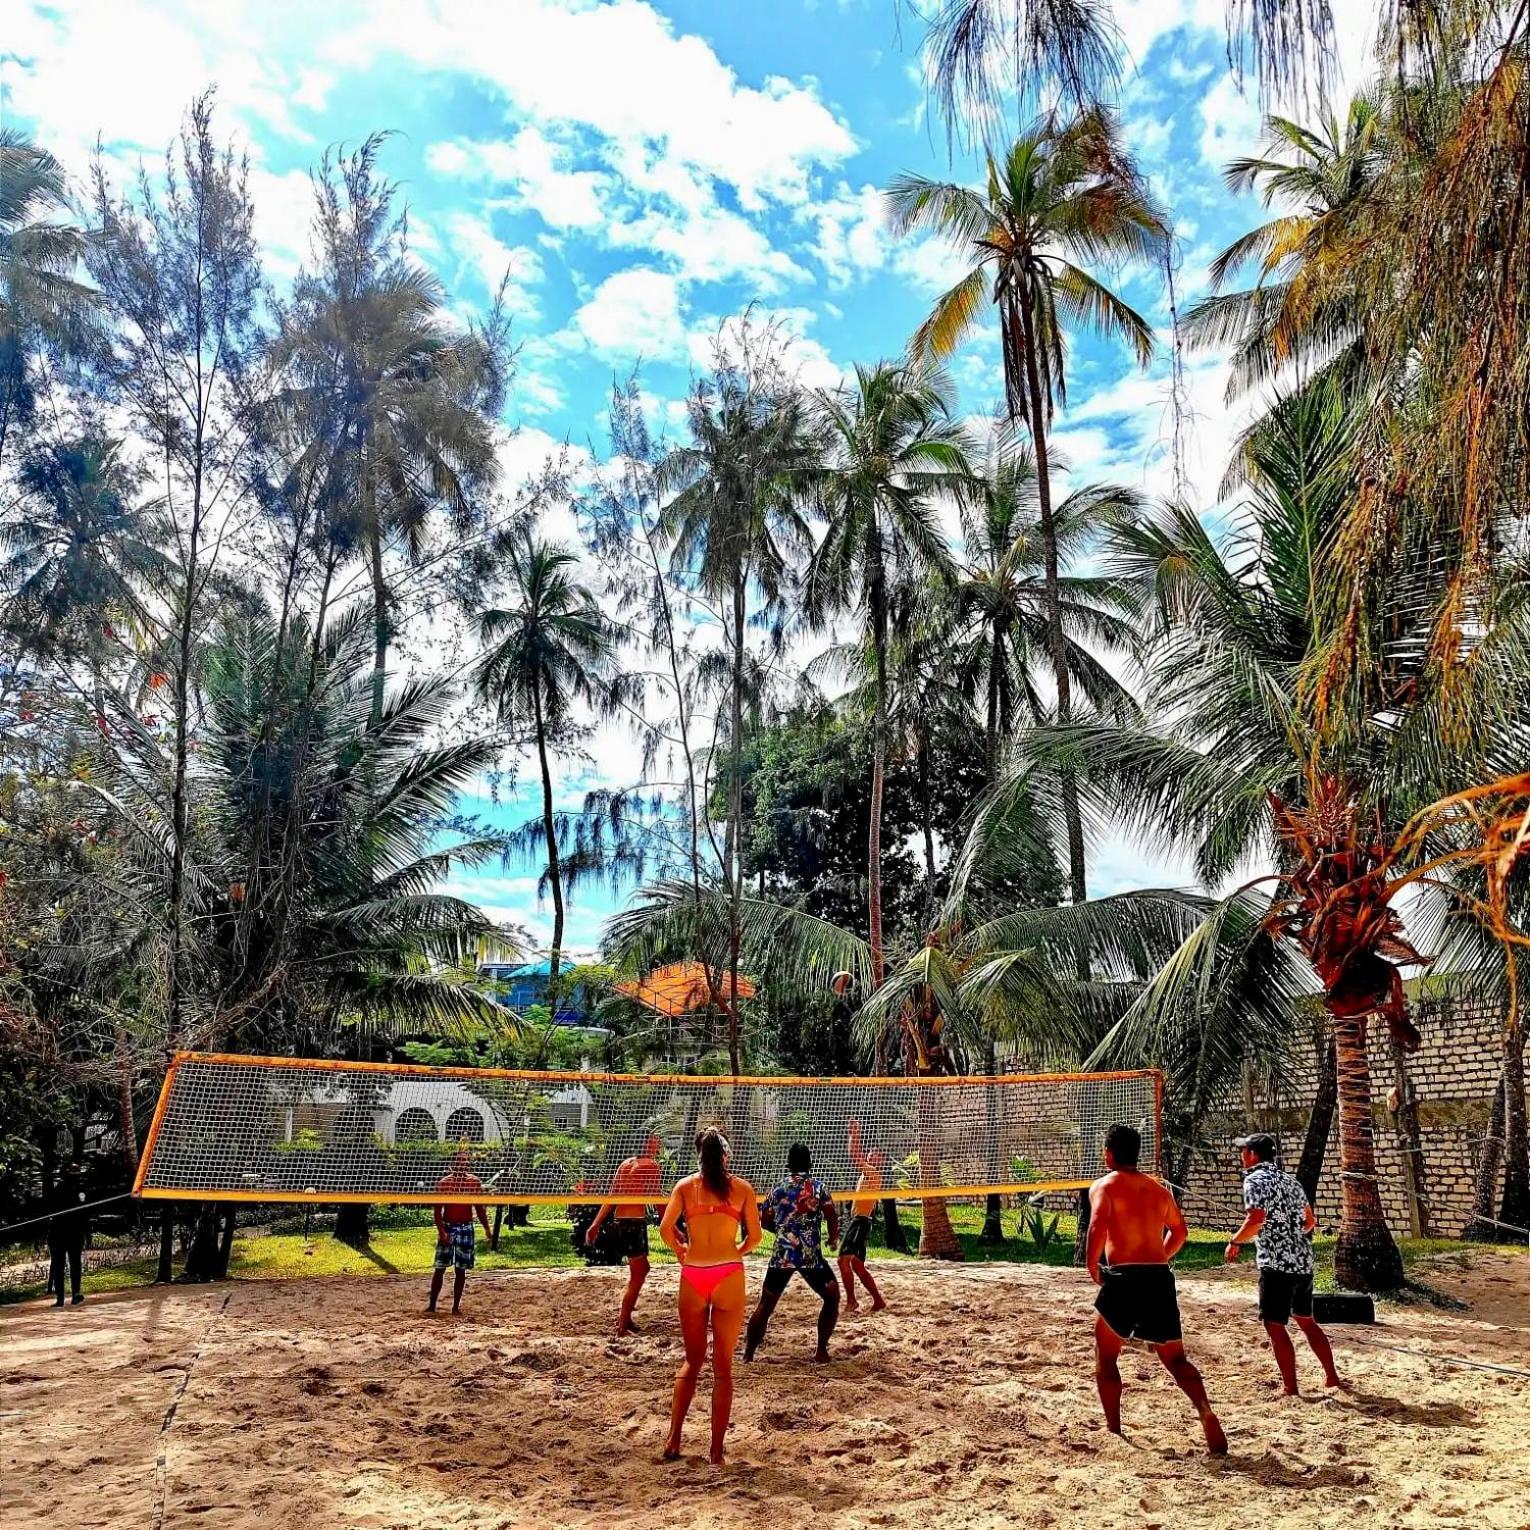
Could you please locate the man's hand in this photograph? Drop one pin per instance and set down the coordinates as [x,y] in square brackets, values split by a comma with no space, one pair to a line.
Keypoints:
[1233,1251]
[441,1237]
[1094,1274]
[591,1234]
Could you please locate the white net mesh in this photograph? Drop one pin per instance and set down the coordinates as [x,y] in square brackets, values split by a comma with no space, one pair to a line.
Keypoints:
[283,1129]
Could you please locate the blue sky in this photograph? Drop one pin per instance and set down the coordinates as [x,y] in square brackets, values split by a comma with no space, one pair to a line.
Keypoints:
[643,169]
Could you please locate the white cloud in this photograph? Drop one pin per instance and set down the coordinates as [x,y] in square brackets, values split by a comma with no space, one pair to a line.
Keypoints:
[1230,123]
[621,70]
[131,67]
[284,209]
[851,238]
[634,313]
[533,171]
[931,265]
[476,248]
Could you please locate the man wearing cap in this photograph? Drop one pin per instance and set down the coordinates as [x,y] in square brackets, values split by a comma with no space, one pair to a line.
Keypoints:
[1280,1221]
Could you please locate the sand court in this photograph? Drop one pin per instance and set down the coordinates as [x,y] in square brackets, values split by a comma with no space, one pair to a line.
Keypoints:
[336,1403]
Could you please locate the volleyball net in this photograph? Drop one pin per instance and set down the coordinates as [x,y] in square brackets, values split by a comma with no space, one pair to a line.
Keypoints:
[291,1129]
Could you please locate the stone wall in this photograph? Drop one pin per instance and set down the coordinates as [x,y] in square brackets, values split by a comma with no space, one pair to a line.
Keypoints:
[1454,1075]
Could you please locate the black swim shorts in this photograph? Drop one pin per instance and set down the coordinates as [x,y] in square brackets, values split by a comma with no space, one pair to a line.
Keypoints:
[853,1244]
[1138,1302]
[1283,1296]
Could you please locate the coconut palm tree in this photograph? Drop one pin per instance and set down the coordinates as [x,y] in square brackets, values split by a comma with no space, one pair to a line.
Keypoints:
[1232,764]
[736,528]
[1003,592]
[550,652]
[978,52]
[39,250]
[77,549]
[1322,178]
[400,401]
[892,451]
[1065,194]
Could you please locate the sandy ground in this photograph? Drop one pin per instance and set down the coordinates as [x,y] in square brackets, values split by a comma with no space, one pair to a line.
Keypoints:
[335,1403]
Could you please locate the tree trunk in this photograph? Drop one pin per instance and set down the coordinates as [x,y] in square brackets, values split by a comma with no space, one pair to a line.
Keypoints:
[1483,1226]
[992,1235]
[1056,642]
[381,629]
[1320,1123]
[554,868]
[123,1059]
[878,782]
[226,1242]
[202,1256]
[166,1270]
[736,822]
[1366,1258]
[893,1234]
[937,1238]
[1514,1208]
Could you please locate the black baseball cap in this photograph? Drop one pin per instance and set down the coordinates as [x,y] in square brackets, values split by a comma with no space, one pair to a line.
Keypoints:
[1261,1143]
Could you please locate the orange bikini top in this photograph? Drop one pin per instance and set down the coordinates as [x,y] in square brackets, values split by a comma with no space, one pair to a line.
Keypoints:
[727,1209]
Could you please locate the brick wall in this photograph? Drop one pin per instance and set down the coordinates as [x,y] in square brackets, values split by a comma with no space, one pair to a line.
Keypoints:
[1454,1074]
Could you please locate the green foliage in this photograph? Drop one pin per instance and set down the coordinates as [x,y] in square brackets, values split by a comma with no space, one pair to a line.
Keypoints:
[1041,1229]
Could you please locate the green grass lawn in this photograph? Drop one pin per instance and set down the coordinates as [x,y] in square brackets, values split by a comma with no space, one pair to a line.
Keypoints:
[404,1241]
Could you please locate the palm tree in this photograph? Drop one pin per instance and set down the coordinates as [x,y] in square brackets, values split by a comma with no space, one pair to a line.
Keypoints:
[545,655]
[401,402]
[1065,193]
[78,549]
[73,562]
[1003,592]
[734,526]
[1323,178]
[39,250]
[979,51]
[891,450]
[1232,764]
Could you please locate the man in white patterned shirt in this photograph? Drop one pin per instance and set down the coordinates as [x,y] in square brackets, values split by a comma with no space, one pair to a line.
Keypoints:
[1281,1223]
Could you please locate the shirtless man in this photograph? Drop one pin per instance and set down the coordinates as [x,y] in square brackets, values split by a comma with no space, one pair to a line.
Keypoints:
[638,1175]
[852,1249]
[1136,1225]
[454,1229]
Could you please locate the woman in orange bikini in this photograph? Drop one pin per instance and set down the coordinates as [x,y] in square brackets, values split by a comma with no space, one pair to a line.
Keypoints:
[722,1224]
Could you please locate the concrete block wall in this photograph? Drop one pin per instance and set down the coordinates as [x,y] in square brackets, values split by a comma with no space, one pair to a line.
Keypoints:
[1454,1074]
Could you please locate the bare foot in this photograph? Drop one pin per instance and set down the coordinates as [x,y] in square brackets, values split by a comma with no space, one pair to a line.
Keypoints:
[1216,1436]
[716,1458]
[853,1307]
[1338,1383]
[879,1305]
[822,1357]
[671,1453]
[1289,1392]
[431,1312]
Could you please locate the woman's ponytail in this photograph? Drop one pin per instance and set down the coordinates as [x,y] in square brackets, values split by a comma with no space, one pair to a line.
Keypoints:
[712,1147]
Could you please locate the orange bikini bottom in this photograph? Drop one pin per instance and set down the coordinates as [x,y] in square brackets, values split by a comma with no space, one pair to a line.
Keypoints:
[706,1278]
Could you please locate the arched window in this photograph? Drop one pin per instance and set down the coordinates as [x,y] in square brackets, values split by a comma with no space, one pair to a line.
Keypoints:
[464,1125]
[415,1125]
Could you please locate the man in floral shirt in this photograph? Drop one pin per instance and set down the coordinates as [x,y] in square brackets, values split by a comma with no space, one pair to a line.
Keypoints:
[1280,1221]
[795,1212]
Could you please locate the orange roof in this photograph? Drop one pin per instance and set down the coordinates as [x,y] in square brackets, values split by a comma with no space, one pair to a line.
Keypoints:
[682,987]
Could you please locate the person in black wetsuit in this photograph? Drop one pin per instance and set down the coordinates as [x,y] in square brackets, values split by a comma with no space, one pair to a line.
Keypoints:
[67,1228]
